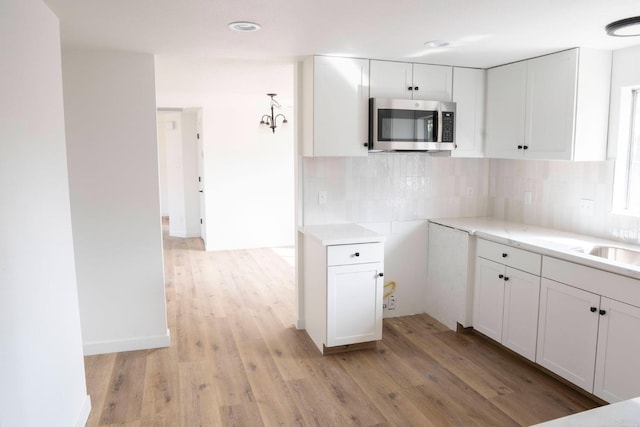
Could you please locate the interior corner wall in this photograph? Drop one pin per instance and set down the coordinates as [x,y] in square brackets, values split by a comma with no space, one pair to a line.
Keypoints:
[248,170]
[162,166]
[41,365]
[112,151]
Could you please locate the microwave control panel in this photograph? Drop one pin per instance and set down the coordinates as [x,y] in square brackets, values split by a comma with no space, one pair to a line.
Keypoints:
[447,126]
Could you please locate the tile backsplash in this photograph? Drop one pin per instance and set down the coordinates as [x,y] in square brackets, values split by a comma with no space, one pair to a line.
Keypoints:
[394,187]
[411,186]
[556,190]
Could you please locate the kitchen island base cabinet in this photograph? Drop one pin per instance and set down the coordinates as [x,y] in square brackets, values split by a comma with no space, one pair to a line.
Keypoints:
[343,289]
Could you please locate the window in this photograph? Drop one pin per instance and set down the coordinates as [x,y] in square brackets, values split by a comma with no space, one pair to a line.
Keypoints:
[627,179]
[633,164]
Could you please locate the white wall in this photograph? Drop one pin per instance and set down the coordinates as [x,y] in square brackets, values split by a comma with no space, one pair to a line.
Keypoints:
[162,163]
[110,109]
[41,365]
[248,171]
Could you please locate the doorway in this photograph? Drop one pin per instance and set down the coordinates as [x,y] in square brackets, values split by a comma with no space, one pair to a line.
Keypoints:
[181,171]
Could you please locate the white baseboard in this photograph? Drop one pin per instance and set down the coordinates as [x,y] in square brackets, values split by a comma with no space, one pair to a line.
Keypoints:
[115,346]
[184,234]
[84,412]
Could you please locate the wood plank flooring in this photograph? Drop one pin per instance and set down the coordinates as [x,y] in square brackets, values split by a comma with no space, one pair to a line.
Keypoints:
[236,360]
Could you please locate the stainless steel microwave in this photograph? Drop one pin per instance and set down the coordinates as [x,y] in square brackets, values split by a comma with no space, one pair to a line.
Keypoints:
[411,125]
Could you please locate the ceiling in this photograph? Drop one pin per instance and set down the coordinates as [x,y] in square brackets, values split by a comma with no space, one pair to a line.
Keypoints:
[483,33]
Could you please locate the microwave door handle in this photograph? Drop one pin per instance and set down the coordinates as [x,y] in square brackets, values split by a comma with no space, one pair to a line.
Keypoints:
[439,126]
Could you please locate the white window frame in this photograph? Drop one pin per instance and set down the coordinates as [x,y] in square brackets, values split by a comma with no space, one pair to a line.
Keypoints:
[629,108]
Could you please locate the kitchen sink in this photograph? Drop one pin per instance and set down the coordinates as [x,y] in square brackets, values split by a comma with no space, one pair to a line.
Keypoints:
[614,253]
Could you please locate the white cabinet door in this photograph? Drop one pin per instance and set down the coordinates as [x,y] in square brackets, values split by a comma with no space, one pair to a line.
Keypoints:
[469,86]
[617,374]
[391,80]
[432,82]
[506,94]
[551,103]
[568,332]
[489,298]
[336,106]
[405,80]
[520,321]
[354,304]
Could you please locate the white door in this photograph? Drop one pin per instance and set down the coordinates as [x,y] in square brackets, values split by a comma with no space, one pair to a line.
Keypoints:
[506,95]
[568,332]
[489,298]
[551,98]
[203,229]
[432,82]
[520,321]
[469,95]
[391,80]
[618,357]
[340,106]
[354,304]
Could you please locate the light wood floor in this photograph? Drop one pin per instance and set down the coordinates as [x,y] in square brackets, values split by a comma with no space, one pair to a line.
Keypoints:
[236,360]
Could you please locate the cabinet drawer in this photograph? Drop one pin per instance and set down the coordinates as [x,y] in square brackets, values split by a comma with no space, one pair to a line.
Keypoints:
[507,255]
[359,253]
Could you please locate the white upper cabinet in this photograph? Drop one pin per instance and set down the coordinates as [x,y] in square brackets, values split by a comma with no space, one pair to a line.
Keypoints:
[469,87]
[403,80]
[432,82]
[391,80]
[506,96]
[335,106]
[554,107]
[551,96]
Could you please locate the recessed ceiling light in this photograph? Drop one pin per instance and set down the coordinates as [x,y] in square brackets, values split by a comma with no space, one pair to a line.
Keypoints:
[437,43]
[628,27]
[244,26]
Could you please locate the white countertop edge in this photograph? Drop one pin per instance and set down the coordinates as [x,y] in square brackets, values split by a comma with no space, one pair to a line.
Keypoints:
[622,414]
[545,241]
[341,234]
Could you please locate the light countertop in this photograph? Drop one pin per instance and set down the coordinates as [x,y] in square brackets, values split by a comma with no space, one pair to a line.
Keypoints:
[621,414]
[570,247]
[341,234]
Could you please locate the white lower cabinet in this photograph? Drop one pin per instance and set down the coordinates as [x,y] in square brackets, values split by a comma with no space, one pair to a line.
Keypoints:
[506,298]
[449,286]
[617,375]
[354,304]
[586,337]
[343,289]
[506,308]
[520,320]
[568,332]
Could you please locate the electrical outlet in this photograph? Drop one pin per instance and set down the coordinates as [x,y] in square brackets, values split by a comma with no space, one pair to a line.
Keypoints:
[528,197]
[322,197]
[470,192]
[586,207]
[392,302]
